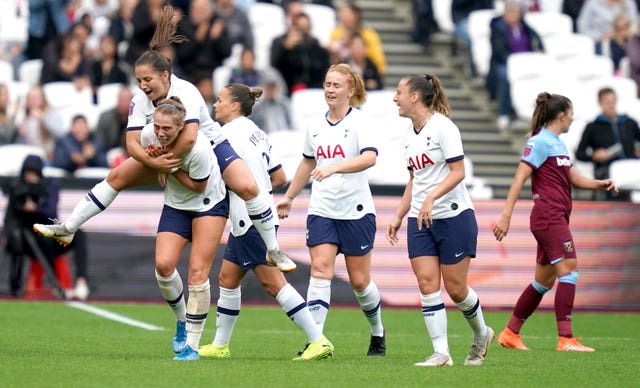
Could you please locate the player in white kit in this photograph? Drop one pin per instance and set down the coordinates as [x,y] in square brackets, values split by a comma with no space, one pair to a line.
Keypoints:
[245,249]
[442,231]
[195,210]
[155,82]
[341,215]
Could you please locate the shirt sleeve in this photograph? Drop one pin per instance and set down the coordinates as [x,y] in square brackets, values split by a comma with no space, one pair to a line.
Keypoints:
[451,142]
[535,152]
[137,118]
[308,151]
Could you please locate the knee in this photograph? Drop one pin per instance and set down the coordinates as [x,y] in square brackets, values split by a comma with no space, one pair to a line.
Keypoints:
[164,270]
[197,276]
[226,281]
[321,271]
[359,282]
[457,292]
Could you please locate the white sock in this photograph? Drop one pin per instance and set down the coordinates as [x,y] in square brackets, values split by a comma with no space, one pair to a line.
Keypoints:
[226,314]
[435,318]
[472,310]
[296,308]
[370,302]
[261,215]
[95,201]
[197,310]
[318,299]
[171,290]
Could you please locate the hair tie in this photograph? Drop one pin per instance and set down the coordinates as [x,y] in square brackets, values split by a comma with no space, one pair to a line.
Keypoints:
[170,106]
[428,77]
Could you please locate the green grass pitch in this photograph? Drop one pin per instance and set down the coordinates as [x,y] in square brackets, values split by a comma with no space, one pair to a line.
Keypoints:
[50,344]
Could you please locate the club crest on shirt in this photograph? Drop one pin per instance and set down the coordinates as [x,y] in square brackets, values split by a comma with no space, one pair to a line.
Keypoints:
[568,246]
[428,141]
[527,150]
[131,106]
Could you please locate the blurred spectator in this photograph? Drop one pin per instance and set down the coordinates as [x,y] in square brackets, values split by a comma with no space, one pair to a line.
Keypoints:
[112,123]
[350,22]
[611,136]
[424,22]
[530,6]
[572,8]
[236,23]
[615,47]
[79,148]
[460,10]
[246,73]
[299,57]
[271,113]
[47,20]
[144,18]
[121,21]
[292,10]
[34,199]
[597,17]
[208,44]
[65,61]
[41,124]
[106,68]
[96,8]
[633,53]
[509,35]
[8,129]
[362,64]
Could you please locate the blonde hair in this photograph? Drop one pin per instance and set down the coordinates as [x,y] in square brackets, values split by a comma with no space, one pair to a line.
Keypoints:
[172,106]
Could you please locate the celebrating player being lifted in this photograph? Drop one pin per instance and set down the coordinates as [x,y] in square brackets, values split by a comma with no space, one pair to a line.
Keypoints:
[156,82]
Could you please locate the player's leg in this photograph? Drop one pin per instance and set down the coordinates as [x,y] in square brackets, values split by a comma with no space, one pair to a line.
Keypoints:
[323,258]
[239,179]
[207,231]
[128,174]
[169,246]
[357,238]
[427,272]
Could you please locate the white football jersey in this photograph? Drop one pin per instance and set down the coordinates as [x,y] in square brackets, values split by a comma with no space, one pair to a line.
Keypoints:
[252,145]
[340,196]
[141,109]
[200,163]
[427,154]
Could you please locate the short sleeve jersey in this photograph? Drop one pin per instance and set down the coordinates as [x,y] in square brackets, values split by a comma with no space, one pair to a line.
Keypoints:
[141,109]
[201,164]
[547,154]
[252,145]
[340,196]
[427,153]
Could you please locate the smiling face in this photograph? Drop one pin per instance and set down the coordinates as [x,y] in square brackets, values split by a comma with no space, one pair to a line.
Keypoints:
[225,108]
[566,118]
[166,128]
[403,98]
[154,84]
[337,89]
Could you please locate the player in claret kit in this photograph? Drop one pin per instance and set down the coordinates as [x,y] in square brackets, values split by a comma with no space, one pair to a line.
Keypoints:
[442,231]
[245,249]
[546,160]
[341,216]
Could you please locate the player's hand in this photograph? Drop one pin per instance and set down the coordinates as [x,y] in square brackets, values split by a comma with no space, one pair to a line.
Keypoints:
[165,163]
[424,215]
[162,179]
[392,230]
[608,185]
[155,151]
[284,207]
[501,228]
[320,173]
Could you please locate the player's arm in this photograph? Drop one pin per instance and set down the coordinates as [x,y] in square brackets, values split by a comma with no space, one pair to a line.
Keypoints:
[360,163]
[403,209]
[581,182]
[163,163]
[278,178]
[186,139]
[523,173]
[300,180]
[197,186]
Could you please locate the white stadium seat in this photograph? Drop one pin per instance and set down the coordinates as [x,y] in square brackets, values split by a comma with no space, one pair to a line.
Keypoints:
[549,23]
[564,46]
[305,103]
[62,94]
[480,35]
[267,23]
[323,21]
[12,156]
[6,72]
[442,14]
[29,71]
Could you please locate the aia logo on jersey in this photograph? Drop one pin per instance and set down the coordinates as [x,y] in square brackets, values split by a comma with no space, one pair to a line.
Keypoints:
[329,151]
[568,246]
[419,162]
[527,150]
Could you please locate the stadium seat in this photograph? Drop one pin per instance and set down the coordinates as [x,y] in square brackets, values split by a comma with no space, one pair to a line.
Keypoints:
[286,148]
[267,23]
[108,96]
[625,173]
[29,71]
[12,156]
[564,46]
[305,103]
[91,172]
[549,23]
[530,73]
[6,72]
[626,90]
[480,35]
[323,21]
[221,76]
[62,94]
[572,138]
[588,67]
[551,5]
[442,14]
[14,22]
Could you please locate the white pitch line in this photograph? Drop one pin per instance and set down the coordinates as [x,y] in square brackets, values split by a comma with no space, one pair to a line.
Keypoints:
[113,316]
